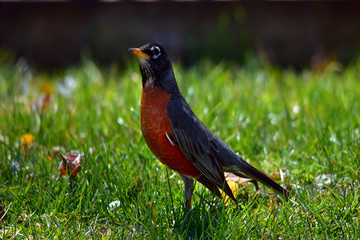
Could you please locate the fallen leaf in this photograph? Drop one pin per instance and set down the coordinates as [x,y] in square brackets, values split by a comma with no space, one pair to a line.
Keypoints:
[234,189]
[71,163]
[26,141]
[233,186]
[275,176]
[47,87]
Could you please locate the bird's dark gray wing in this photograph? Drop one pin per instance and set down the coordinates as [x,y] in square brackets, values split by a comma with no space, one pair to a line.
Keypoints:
[197,143]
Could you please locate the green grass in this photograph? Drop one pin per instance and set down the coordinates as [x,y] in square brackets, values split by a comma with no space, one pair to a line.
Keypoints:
[305,125]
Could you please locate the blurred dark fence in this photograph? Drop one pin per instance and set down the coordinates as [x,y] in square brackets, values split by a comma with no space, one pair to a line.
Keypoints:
[298,34]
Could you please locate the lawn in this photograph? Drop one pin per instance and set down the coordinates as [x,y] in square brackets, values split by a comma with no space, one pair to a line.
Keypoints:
[303,129]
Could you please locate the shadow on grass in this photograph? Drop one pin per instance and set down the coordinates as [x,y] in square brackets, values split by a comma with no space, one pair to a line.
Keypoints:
[203,221]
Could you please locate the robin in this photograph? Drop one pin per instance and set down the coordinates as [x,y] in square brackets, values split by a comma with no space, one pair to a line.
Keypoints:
[178,138]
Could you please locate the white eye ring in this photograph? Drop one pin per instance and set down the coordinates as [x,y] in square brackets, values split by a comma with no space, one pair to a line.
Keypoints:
[157,49]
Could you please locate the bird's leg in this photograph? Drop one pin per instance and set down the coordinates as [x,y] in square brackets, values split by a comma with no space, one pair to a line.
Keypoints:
[189,188]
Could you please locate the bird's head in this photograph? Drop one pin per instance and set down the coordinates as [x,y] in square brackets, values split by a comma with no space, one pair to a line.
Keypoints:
[155,66]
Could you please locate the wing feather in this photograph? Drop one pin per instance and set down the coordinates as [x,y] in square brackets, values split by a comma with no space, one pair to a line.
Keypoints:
[197,143]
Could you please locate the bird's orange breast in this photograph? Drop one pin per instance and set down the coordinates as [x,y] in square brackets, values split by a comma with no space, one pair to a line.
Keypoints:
[157,128]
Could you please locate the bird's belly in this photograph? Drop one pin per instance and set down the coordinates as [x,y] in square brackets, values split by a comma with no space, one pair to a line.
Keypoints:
[156,128]
[168,154]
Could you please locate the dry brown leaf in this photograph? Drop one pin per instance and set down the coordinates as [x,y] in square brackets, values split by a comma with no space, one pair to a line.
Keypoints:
[71,163]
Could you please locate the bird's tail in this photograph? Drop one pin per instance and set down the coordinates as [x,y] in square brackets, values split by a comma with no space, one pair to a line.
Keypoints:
[244,169]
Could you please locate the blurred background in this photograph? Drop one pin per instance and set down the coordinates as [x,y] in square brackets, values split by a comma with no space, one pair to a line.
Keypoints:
[286,34]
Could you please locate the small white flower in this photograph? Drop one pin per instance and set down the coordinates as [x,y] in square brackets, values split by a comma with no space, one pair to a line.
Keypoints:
[68,86]
[114,205]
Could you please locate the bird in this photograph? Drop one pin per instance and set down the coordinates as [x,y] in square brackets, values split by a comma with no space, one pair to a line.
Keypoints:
[179,139]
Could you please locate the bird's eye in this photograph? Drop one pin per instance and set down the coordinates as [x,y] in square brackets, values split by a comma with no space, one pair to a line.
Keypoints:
[156,51]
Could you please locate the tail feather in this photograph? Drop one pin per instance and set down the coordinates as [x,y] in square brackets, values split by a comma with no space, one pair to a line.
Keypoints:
[253,173]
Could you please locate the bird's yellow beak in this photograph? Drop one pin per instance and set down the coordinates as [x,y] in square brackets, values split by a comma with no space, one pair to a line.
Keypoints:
[138,53]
